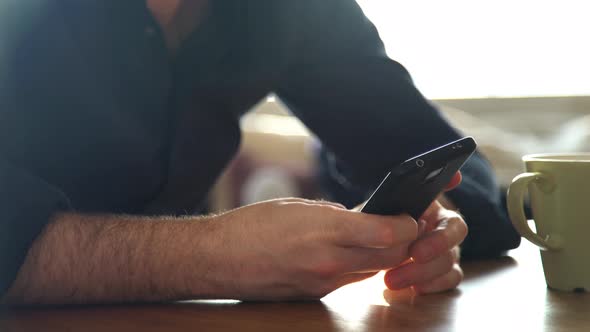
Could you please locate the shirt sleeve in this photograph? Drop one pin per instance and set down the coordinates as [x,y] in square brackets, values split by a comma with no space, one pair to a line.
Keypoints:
[26,204]
[369,116]
[27,201]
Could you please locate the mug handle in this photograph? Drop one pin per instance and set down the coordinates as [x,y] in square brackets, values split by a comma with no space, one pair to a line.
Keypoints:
[515,203]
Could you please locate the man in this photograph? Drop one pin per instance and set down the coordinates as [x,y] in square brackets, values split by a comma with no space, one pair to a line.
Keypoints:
[116,117]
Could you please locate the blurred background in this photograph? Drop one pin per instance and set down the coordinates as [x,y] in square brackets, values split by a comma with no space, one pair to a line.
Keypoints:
[513,74]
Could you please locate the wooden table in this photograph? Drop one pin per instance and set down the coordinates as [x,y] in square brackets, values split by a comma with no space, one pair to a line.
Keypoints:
[505,294]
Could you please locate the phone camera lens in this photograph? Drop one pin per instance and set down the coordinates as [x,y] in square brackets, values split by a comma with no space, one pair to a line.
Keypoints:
[419,162]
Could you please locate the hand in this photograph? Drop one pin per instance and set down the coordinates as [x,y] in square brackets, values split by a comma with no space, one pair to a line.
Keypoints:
[301,249]
[435,255]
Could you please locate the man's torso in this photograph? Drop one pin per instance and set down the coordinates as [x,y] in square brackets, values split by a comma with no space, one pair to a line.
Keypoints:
[100,111]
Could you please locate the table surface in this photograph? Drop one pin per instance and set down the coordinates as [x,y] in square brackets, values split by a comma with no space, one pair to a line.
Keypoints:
[507,293]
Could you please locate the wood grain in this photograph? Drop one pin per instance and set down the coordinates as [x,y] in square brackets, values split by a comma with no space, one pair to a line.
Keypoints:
[505,294]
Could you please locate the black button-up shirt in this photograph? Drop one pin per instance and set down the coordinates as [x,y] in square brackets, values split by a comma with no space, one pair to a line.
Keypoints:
[96,116]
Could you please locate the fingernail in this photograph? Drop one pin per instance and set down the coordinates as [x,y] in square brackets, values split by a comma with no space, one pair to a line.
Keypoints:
[409,229]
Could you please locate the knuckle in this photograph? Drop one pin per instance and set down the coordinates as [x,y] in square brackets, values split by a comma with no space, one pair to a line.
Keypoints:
[456,277]
[324,268]
[449,260]
[441,242]
[394,231]
[384,234]
[459,273]
[462,228]
[453,235]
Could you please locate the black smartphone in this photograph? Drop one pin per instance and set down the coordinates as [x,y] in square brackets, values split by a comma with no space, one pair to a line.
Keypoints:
[412,186]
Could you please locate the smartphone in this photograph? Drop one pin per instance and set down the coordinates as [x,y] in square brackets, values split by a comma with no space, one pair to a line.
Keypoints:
[412,186]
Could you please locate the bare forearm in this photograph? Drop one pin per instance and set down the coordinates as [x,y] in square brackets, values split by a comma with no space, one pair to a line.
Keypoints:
[106,259]
[275,250]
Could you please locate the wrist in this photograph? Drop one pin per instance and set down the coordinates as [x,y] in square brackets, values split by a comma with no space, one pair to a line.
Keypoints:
[198,262]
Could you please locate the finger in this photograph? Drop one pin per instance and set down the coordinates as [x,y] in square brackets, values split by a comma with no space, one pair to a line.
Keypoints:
[362,260]
[437,213]
[431,218]
[422,227]
[356,229]
[444,283]
[440,240]
[457,253]
[432,214]
[455,181]
[415,273]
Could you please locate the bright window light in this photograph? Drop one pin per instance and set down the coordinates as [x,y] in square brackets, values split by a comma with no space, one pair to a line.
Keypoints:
[500,48]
